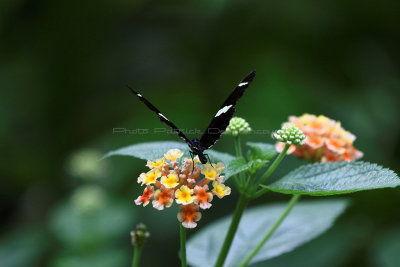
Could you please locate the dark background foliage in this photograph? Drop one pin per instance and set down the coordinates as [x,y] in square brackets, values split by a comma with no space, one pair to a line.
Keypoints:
[63,70]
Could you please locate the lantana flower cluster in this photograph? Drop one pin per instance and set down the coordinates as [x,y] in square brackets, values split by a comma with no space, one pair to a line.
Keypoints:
[326,140]
[168,181]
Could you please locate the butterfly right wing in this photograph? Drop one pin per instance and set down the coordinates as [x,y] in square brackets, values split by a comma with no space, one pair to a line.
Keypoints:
[220,121]
[161,117]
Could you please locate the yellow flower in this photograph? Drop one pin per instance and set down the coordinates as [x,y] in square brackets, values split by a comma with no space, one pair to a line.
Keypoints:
[184,195]
[173,154]
[149,177]
[159,163]
[170,181]
[220,190]
[220,166]
[210,172]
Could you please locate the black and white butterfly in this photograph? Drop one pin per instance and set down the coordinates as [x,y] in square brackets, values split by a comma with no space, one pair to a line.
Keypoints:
[217,125]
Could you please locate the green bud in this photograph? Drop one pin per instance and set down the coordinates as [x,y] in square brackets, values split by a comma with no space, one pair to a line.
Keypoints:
[238,126]
[140,235]
[289,134]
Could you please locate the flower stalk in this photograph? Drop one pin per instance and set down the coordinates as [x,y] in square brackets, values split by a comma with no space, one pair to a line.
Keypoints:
[273,166]
[241,205]
[183,245]
[238,147]
[238,126]
[238,150]
[289,207]
[137,251]
[290,135]
[138,238]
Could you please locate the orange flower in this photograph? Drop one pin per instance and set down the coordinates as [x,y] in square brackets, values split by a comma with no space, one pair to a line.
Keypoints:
[203,197]
[189,215]
[145,198]
[163,198]
[325,140]
[314,142]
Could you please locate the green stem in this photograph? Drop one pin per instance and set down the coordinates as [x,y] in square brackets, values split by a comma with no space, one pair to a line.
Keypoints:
[241,205]
[273,166]
[183,246]
[249,184]
[260,192]
[289,207]
[238,149]
[136,256]
[237,183]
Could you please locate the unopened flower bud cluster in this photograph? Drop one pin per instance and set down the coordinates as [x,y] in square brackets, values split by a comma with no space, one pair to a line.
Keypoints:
[290,134]
[238,126]
[140,235]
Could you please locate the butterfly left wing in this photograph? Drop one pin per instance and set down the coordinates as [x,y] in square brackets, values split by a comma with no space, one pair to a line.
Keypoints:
[161,117]
[221,120]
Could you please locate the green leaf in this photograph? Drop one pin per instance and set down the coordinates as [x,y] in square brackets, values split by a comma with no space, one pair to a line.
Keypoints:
[236,166]
[307,220]
[261,151]
[155,150]
[339,244]
[322,179]
[240,165]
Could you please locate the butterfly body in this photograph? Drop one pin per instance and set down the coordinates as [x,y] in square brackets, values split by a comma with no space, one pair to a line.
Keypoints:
[196,149]
[217,126]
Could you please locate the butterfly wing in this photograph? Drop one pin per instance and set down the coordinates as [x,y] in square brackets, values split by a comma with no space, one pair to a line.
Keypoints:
[161,117]
[221,120]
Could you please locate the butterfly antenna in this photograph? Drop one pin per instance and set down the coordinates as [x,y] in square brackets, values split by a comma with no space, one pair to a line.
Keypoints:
[209,160]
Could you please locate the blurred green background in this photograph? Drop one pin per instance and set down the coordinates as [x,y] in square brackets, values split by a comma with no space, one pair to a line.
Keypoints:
[63,70]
